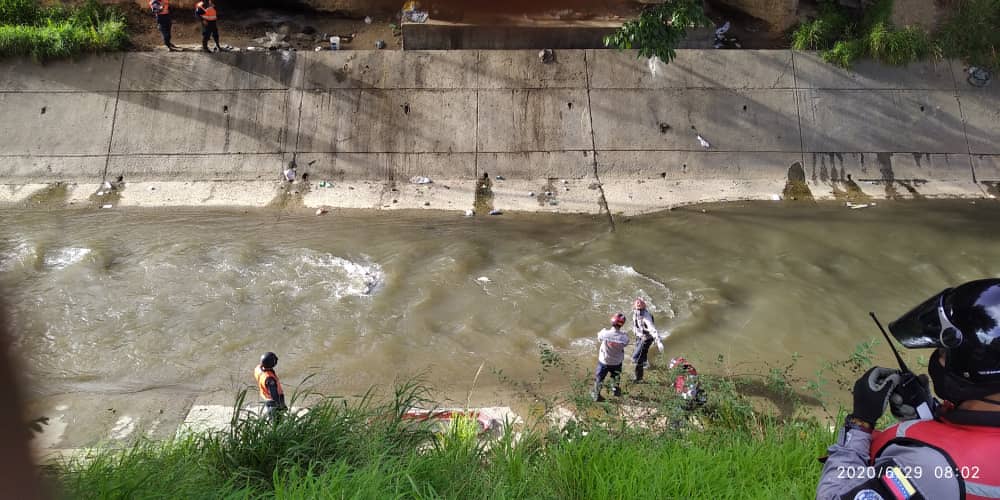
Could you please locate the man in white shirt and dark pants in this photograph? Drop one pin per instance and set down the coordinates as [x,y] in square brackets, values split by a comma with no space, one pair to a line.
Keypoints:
[612,353]
[645,333]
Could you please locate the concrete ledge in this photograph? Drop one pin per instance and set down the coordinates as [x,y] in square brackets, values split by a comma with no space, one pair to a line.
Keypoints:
[442,35]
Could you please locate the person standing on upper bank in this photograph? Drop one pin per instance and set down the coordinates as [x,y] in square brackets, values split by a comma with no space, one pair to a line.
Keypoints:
[161,10]
[609,359]
[269,385]
[645,333]
[936,452]
[209,27]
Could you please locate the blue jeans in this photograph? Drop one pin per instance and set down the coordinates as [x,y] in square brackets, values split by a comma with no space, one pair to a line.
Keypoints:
[602,371]
[640,354]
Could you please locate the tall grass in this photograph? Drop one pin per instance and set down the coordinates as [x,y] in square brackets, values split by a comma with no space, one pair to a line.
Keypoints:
[366,449]
[843,38]
[27,29]
[972,33]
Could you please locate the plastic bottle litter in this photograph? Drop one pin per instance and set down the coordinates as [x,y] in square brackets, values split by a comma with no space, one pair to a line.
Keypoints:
[368,19]
[531,193]
[106,185]
[380,44]
[483,279]
[469,212]
[703,142]
[419,179]
[334,43]
[495,212]
[107,206]
[500,178]
[320,211]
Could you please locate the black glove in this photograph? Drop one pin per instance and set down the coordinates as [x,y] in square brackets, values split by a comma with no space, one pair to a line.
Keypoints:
[871,393]
[913,391]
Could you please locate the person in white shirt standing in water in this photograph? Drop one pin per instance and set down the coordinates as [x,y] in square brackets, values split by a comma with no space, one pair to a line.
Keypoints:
[645,333]
[609,360]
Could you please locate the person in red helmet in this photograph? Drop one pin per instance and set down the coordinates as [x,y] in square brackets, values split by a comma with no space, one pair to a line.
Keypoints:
[686,384]
[937,451]
[610,357]
[645,334]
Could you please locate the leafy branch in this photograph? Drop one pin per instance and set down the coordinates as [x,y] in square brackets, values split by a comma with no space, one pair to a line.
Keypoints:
[659,29]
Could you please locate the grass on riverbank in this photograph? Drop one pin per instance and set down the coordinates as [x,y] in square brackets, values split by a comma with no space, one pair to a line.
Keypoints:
[42,33]
[969,33]
[366,449]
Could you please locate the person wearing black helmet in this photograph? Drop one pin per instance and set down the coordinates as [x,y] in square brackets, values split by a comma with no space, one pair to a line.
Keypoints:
[269,385]
[951,454]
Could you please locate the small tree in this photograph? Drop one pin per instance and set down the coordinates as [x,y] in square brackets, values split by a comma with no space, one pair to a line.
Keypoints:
[659,29]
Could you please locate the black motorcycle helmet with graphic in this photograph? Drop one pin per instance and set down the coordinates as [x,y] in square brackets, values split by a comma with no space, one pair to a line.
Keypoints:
[963,323]
[269,360]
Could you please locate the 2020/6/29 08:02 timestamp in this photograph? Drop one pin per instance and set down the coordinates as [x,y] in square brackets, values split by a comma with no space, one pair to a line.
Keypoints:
[909,472]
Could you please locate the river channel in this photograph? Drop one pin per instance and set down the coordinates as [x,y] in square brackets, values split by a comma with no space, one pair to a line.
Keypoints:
[123,302]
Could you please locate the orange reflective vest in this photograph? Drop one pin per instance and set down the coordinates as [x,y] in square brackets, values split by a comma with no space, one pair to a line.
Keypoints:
[262,375]
[164,6]
[210,13]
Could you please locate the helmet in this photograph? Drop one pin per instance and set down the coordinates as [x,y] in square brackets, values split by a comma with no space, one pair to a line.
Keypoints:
[640,304]
[964,323]
[618,319]
[682,364]
[268,360]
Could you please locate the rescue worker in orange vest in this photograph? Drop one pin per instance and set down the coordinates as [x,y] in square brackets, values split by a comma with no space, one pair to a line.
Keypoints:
[937,451]
[161,10]
[206,11]
[268,384]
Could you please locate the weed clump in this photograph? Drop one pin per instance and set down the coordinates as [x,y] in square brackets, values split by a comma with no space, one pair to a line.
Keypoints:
[42,33]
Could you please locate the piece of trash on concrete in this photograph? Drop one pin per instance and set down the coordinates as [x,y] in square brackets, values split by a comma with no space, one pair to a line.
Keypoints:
[855,206]
[100,193]
[547,56]
[368,19]
[319,49]
[775,197]
[325,184]
[290,174]
[495,212]
[703,142]
[334,43]
[320,211]
[380,44]
[469,212]
[483,279]
[565,181]
[107,206]
[531,193]
[548,193]
[419,179]
[152,188]
[979,77]
[500,178]
[106,185]
[427,203]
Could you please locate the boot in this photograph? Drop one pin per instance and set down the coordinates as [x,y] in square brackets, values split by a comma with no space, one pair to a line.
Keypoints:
[617,391]
[595,394]
[639,372]
[204,47]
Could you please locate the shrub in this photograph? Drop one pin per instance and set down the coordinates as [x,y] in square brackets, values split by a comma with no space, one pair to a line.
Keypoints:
[971,33]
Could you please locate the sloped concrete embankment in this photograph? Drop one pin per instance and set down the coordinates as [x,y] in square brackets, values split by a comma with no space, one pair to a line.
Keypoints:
[595,129]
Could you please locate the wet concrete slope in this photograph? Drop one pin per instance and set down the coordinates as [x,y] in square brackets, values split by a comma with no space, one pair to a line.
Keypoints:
[594,129]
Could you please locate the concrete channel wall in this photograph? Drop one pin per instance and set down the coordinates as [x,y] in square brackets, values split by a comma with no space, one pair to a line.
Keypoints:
[595,127]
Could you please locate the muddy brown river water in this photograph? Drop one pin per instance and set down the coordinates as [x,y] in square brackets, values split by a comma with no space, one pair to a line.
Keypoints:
[108,304]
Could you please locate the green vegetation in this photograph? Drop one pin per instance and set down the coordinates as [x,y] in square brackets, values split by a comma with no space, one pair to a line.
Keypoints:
[969,33]
[28,29]
[972,33]
[843,39]
[648,443]
[659,29]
